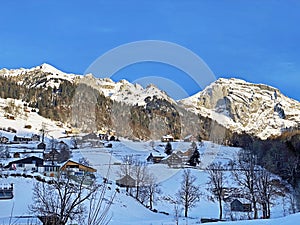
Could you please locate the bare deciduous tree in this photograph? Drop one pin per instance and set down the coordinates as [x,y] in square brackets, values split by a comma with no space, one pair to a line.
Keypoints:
[188,193]
[216,182]
[268,188]
[152,188]
[141,175]
[64,199]
[244,173]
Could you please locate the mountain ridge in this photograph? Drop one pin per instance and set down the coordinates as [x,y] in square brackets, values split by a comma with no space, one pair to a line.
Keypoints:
[257,109]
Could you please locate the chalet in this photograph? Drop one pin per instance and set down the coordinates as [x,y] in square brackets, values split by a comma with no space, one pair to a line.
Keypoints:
[10,117]
[189,138]
[91,136]
[52,156]
[4,140]
[11,130]
[237,206]
[27,110]
[27,126]
[51,169]
[77,169]
[155,157]
[36,137]
[6,191]
[167,138]
[104,136]
[22,139]
[32,163]
[17,155]
[41,145]
[185,156]
[173,160]
[126,181]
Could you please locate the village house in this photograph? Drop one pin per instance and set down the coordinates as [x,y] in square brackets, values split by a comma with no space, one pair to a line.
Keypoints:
[17,155]
[155,157]
[189,138]
[4,140]
[51,169]
[167,138]
[126,181]
[22,139]
[237,206]
[173,160]
[77,169]
[35,137]
[6,191]
[90,140]
[52,156]
[10,117]
[32,163]
[185,156]
[41,145]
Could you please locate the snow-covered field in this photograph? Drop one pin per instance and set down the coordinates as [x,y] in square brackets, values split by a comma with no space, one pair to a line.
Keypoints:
[125,209]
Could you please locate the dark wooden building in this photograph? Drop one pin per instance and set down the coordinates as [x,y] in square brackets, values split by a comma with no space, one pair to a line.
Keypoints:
[237,206]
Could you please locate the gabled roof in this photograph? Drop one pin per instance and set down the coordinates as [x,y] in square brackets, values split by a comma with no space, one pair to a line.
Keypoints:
[126,181]
[172,156]
[29,160]
[80,166]
[167,136]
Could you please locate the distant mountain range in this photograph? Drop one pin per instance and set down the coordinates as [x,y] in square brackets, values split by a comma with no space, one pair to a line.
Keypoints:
[237,106]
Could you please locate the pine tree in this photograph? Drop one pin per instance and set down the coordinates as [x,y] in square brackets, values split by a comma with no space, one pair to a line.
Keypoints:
[168,148]
[195,158]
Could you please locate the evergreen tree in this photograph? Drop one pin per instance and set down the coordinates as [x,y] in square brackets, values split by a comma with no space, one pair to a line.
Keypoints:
[168,148]
[195,158]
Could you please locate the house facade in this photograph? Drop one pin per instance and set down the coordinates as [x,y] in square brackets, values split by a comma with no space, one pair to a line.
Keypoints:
[167,138]
[173,160]
[4,140]
[126,181]
[77,169]
[237,206]
[32,163]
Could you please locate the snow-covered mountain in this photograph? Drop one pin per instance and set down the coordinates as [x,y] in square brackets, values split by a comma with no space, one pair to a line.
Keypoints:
[256,109]
[46,76]
[239,106]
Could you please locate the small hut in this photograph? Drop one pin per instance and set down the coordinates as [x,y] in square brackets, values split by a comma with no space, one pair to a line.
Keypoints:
[126,181]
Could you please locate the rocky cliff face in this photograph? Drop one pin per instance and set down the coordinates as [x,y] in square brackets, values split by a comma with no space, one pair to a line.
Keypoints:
[240,106]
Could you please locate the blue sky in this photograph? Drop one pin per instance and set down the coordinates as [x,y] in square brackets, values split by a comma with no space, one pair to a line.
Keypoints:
[256,40]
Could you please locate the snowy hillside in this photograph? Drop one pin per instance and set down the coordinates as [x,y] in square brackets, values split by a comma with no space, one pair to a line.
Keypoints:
[40,76]
[46,75]
[257,109]
[125,209]
[124,91]
[26,117]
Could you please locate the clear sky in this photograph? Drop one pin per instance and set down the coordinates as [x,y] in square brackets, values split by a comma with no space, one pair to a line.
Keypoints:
[255,40]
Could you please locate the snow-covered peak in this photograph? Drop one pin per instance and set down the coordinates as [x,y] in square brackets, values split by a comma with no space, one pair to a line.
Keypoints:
[242,106]
[44,75]
[49,69]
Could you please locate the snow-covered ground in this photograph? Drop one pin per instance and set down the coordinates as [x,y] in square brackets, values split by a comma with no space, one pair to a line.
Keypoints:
[125,209]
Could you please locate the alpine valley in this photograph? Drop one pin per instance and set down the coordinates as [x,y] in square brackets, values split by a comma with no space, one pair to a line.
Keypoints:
[229,112]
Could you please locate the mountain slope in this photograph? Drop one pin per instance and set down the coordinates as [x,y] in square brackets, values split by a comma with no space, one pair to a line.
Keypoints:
[256,109]
[240,107]
[46,76]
